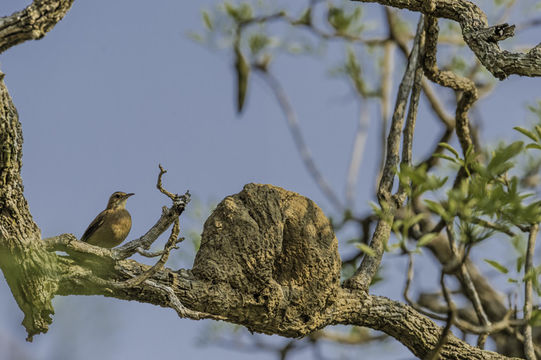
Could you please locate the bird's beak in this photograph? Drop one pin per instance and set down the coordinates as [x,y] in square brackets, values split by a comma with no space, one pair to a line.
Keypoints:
[128,195]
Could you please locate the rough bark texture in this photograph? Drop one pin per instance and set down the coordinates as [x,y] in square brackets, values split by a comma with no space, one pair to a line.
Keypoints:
[481,38]
[278,249]
[276,298]
[28,268]
[24,263]
[32,23]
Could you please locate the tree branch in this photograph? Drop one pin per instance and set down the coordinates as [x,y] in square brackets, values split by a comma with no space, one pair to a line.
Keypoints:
[481,38]
[298,138]
[362,278]
[32,23]
[528,267]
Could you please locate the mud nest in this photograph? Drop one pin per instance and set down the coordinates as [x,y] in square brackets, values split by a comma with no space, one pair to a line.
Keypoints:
[278,250]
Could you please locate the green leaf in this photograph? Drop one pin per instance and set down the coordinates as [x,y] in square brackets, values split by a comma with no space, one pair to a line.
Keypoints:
[305,18]
[365,249]
[538,131]
[258,42]
[196,37]
[437,208]
[535,319]
[497,266]
[520,262]
[426,239]
[443,156]
[528,133]
[242,12]
[344,22]
[243,72]
[531,275]
[450,148]
[533,146]
[499,162]
[206,19]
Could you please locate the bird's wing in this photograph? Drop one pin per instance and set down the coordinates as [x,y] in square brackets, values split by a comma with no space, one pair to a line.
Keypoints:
[94,225]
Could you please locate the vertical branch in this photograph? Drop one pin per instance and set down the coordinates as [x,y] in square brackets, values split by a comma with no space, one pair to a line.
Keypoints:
[451,312]
[449,79]
[356,156]
[26,265]
[362,278]
[386,85]
[528,342]
[410,124]
[467,283]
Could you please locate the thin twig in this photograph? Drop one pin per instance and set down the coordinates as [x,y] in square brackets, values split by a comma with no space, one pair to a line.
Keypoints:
[413,304]
[169,215]
[410,126]
[385,106]
[437,106]
[528,266]
[298,139]
[357,152]
[173,240]
[177,305]
[469,287]
[170,195]
[434,354]
[494,226]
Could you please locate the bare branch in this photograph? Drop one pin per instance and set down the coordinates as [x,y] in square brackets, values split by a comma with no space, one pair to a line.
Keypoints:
[364,274]
[368,309]
[528,267]
[469,287]
[434,354]
[298,138]
[357,152]
[413,304]
[159,186]
[32,23]
[437,106]
[472,19]
[410,126]
[450,79]
[169,215]
[171,243]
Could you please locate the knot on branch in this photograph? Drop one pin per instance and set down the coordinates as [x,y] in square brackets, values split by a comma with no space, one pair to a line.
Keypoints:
[278,250]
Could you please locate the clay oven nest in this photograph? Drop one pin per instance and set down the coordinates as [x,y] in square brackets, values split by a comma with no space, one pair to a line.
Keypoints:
[278,250]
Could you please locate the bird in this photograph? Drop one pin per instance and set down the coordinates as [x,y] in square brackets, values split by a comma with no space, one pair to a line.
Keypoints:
[112,225]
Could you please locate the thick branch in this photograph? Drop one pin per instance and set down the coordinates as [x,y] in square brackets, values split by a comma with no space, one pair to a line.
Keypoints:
[32,23]
[205,299]
[451,80]
[402,322]
[481,38]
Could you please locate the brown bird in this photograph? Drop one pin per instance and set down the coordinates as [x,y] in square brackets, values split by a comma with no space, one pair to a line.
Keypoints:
[112,225]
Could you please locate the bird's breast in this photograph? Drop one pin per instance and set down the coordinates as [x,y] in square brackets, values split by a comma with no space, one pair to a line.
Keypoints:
[121,226]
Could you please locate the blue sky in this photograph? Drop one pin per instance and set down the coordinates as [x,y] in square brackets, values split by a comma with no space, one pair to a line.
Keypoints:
[116,88]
